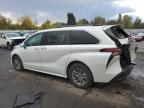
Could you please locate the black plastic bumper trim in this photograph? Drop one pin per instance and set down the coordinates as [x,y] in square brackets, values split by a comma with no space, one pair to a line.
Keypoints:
[125,72]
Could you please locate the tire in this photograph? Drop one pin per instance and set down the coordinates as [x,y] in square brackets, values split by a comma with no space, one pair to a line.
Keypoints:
[9,46]
[80,76]
[17,63]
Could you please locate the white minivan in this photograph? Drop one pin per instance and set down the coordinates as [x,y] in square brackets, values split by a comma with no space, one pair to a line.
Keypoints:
[84,54]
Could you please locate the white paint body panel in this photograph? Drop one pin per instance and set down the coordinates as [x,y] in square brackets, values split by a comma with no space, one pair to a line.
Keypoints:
[54,58]
[31,57]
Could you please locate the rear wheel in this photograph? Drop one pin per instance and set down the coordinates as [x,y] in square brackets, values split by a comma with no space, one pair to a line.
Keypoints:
[80,75]
[17,63]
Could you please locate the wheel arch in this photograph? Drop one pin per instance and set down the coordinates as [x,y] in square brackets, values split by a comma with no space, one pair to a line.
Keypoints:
[76,61]
[14,56]
[21,68]
[8,42]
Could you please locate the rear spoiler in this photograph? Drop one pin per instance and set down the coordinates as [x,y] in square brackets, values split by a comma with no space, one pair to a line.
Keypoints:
[111,26]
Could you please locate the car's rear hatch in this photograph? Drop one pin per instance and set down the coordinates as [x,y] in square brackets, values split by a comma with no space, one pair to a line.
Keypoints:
[123,41]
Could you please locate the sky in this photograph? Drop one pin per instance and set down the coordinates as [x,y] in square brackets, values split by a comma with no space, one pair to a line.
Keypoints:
[56,10]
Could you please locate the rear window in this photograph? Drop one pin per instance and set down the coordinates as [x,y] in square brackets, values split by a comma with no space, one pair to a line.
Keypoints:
[117,32]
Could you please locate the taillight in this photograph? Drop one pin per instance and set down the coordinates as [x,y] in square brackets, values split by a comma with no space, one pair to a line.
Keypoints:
[115,51]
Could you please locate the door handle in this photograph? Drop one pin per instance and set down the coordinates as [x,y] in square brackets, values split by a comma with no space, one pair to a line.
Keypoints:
[36,49]
[43,48]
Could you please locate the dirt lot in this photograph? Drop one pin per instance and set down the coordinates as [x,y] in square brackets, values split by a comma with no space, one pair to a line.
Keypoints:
[61,94]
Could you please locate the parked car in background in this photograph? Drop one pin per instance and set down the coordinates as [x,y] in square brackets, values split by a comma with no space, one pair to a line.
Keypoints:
[21,33]
[26,34]
[139,37]
[140,41]
[85,54]
[9,40]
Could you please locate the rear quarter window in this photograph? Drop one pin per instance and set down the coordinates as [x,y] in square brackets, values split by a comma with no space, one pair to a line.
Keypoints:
[82,37]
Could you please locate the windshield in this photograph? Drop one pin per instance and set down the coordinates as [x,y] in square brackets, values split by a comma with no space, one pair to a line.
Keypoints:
[12,35]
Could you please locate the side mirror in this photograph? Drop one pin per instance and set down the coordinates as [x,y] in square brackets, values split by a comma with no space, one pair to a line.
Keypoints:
[24,45]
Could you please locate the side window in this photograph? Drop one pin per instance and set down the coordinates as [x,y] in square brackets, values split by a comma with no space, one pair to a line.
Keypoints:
[56,38]
[34,40]
[82,37]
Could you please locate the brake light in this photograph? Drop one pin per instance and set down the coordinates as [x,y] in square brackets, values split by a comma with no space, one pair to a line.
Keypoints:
[115,51]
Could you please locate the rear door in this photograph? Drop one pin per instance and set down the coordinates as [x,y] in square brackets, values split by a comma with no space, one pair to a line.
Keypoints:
[55,51]
[123,40]
[132,46]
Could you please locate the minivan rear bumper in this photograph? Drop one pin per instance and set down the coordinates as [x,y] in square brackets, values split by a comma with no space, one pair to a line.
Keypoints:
[125,72]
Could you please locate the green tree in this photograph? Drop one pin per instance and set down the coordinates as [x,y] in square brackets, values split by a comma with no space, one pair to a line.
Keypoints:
[137,23]
[26,23]
[82,21]
[127,22]
[111,22]
[59,24]
[99,20]
[46,25]
[5,23]
[71,20]
[15,26]
[2,22]
[8,23]
[119,19]
[142,25]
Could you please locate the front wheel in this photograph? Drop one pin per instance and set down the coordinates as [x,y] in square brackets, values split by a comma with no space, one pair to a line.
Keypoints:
[17,63]
[80,76]
[9,46]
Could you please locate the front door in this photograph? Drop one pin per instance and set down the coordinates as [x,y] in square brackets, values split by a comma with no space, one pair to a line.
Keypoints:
[3,41]
[31,53]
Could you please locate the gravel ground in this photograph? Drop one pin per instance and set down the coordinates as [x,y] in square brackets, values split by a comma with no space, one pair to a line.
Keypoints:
[60,93]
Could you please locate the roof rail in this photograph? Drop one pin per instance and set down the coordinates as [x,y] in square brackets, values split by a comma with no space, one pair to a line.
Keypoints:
[97,24]
[79,25]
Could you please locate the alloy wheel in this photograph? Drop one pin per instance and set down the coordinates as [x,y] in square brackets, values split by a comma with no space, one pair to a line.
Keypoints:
[79,76]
